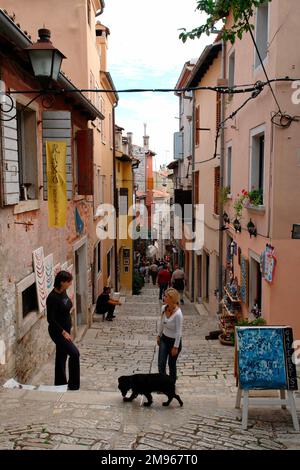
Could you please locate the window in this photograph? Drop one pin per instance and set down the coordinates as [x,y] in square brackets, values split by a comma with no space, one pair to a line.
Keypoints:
[218,109]
[196,187]
[123,201]
[27,305]
[231,69]
[197,125]
[75,166]
[29,300]
[27,153]
[181,104]
[108,259]
[111,189]
[89,12]
[98,258]
[98,187]
[262,19]
[257,160]
[228,173]
[110,131]
[217,190]
[103,132]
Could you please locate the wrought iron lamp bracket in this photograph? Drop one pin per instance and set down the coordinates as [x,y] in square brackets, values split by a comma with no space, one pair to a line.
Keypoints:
[7,103]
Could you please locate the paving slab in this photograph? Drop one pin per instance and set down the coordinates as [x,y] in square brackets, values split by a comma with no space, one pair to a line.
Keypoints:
[95,417]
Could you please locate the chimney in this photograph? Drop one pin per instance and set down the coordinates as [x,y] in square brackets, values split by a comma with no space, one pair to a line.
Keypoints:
[102,33]
[146,138]
[129,139]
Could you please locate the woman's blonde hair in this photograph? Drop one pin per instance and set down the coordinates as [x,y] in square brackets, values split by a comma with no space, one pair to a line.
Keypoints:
[173,294]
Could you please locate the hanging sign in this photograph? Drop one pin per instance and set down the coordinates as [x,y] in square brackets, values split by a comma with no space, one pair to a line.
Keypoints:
[268,263]
[57,186]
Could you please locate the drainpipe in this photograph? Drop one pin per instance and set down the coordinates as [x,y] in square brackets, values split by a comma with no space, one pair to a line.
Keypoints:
[193,198]
[115,194]
[222,155]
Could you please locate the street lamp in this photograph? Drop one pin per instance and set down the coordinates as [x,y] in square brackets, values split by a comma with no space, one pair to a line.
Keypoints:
[45,59]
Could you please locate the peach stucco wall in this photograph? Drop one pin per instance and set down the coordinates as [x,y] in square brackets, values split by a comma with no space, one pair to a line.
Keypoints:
[282,165]
[204,151]
[76,39]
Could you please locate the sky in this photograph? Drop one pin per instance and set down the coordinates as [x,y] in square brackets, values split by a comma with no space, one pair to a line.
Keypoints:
[144,52]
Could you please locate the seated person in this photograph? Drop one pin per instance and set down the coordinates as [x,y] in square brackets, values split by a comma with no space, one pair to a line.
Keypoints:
[106,305]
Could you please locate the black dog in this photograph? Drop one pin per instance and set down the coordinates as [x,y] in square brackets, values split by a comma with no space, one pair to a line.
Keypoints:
[144,384]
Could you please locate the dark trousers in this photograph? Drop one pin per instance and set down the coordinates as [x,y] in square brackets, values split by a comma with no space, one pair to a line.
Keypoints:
[162,288]
[153,277]
[64,349]
[110,310]
[164,354]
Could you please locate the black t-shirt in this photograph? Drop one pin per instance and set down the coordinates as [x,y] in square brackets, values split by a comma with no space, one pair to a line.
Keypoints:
[102,302]
[58,313]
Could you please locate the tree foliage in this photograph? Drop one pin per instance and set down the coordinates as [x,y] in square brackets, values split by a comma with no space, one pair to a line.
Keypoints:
[217,10]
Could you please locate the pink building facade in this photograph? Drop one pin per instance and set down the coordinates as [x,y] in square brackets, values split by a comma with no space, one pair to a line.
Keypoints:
[262,155]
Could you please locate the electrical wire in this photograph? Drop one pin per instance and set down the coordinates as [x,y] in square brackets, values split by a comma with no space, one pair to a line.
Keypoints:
[258,89]
[234,89]
[285,120]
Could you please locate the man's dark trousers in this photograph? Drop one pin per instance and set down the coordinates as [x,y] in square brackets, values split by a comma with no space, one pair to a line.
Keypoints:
[64,349]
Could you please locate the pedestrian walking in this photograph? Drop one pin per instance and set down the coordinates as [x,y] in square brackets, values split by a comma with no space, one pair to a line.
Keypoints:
[153,272]
[163,280]
[147,272]
[107,305]
[59,307]
[177,281]
[169,334]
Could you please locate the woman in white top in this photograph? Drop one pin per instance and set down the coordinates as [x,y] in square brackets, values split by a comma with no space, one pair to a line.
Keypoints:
[170,332]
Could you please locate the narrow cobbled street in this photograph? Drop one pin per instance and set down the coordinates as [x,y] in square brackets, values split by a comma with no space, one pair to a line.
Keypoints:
[96,417]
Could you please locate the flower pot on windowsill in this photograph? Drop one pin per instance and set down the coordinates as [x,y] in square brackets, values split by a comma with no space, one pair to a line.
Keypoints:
[253,207]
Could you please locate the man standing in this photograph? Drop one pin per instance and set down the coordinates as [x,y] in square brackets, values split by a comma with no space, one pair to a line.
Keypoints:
[106,305]
[177,281]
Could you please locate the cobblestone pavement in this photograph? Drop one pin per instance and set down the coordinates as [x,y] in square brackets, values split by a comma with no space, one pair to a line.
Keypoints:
[96,417]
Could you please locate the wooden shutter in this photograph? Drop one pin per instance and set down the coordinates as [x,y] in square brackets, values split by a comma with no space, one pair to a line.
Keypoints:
[123,201]
[10,161]
[217,190]
[178,145]
[57,127]
[85,152]
[218,109]
[197,125]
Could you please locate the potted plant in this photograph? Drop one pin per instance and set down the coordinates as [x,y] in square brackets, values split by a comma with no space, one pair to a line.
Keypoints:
[238,204]
[256,197]
[224,193]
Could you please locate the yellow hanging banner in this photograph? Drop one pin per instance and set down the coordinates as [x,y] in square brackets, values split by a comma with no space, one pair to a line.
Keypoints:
[56,153]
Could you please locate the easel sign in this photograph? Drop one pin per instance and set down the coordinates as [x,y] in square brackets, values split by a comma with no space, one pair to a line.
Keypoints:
[264,360]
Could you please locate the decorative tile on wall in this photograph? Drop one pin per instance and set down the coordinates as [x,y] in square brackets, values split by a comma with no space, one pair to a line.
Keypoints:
[39,269]
[49,272]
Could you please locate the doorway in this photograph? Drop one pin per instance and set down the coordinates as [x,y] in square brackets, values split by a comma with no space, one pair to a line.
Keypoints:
[199,279]
[207,277]
[80,253]
[255,287]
